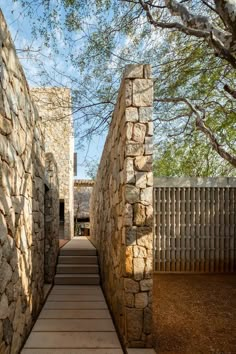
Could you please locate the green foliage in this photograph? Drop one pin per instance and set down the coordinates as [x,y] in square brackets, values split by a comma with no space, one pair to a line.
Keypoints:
[186,160]
[101,37]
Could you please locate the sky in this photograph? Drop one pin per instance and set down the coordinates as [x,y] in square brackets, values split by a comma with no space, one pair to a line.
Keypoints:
[20,30]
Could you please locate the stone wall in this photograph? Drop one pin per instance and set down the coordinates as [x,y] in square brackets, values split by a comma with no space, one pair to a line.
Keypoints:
[121,210]
[54,106]
[51,218]
[82,193]
[21,202]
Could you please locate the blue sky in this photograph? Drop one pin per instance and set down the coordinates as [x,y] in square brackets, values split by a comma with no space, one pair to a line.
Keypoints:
[18,24]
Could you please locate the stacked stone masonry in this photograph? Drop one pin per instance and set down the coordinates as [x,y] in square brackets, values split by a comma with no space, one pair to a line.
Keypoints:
[121,210]
[51,202]
[22,194]
[54,106]
[82,193]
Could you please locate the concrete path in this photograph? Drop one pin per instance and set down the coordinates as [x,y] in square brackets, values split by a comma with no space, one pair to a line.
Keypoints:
[75,318]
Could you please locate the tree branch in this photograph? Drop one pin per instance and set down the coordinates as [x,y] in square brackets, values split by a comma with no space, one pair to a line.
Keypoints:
[199,121]
[195,25]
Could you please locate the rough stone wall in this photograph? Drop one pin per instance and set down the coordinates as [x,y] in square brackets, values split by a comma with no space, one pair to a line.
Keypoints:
[51,218]
[21,201]
[54,106]
[121,210]
[82,193]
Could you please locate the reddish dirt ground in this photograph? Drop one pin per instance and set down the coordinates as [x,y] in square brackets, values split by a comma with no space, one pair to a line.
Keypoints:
[194,313]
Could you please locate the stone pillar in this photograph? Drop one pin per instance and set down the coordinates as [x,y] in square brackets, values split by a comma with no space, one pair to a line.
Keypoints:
[137,233]
[121,213]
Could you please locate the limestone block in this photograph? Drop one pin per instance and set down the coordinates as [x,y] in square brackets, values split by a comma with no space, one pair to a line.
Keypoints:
[130,235]
[146,284]
[7,152]
[147,71]
[147,195]
[18,138]
[141,300]
[7,331]
[139,214]
[7,248]
[5,125]
[128,214]
[16,343]
[5,275]
[148,149]
[134,149]
[150,129]
[6,110]
[129,130]
[129,177]
[134,323]
[129,261]
[128,93]
[149,179]
[131,114]
[139,132]
[131,286]
[143,163]
[145,114]
[141,179]
[11,311]
[129,164]
[148,140]
[139,252]
[149,267]
[3,229]
[19,318]
[132,194]
[133,71]
[149,215]
[139,267]
[145,237]
[3,307]
[147,320]
[129,299]
[142,92]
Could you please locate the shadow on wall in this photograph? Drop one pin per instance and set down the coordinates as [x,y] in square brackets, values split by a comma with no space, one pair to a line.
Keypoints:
[122,211]
[22,246]
[22,194]
[51,217]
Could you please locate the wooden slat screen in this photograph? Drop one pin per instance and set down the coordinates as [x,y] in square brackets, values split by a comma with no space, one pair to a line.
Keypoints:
[195,229]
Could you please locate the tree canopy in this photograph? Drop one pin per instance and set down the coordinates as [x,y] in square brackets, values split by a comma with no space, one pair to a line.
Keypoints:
[191,45]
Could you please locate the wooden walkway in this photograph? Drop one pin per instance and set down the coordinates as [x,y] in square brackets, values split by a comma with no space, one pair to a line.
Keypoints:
[74,320]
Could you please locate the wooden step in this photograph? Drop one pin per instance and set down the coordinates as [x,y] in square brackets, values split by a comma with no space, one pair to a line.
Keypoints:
[77,260]
[77,268]
[81,279]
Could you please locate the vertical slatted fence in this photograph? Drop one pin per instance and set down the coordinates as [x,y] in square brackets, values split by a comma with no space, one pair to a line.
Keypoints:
[195,228]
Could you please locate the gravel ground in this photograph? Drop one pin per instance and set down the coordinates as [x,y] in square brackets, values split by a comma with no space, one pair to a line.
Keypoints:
[194,313]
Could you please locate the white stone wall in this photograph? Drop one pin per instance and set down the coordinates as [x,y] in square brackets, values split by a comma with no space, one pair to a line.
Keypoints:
[21,202]
[121,211]
[54,105]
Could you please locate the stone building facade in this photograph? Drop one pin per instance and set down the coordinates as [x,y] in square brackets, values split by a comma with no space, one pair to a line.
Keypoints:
[121,211]
[54,106]
[23,183]
[82,194]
